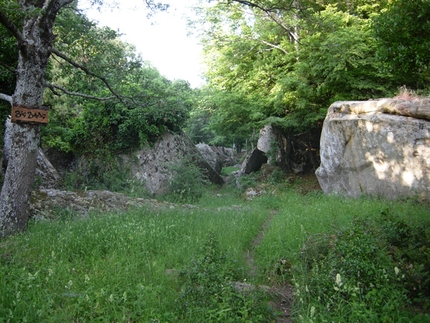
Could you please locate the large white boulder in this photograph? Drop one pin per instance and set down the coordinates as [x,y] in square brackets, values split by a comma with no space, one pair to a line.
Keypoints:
[210,156]
[377,148]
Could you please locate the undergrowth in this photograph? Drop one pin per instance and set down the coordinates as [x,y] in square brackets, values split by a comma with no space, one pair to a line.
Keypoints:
[349,260]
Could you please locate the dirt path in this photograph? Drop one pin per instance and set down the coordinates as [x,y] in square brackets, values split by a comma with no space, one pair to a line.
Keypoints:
[282,294]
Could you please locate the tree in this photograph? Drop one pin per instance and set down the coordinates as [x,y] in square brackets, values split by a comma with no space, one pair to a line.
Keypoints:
[292,59]
[34,38]
[403,34]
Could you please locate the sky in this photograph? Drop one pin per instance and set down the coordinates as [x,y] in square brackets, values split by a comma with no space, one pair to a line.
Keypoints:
[163,39]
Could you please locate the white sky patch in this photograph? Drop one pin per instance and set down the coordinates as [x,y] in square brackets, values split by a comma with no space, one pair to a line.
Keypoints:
[163,39]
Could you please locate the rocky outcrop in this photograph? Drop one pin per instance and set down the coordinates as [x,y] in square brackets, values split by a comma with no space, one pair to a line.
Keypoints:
[225,155]
[51,203]
[267,143]
[150,165]
[210,156]
[378,148]
[253,162]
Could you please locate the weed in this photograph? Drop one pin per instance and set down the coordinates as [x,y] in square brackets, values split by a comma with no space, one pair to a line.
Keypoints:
[349,262]
[209,286]
[188,182]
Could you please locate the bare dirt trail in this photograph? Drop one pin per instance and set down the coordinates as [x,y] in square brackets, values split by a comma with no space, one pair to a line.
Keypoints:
[282,294]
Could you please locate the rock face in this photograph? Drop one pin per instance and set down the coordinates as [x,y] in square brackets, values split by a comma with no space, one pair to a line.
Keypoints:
[210,156]
[48,203]
[253,162]
[378,148]
[265,138]
[225,155]
[151,164]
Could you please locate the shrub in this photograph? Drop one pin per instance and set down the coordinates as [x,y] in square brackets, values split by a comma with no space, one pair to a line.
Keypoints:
[372,271]
[188,182]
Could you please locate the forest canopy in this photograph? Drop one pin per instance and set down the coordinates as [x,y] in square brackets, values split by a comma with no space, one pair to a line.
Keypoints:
[287,61]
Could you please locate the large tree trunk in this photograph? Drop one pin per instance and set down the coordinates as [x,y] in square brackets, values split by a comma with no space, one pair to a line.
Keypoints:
[34,44]
[18,179]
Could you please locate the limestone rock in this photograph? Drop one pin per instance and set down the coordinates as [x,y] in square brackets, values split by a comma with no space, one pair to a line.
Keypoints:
[150,165]
[253,162]
[49,203]
[265,143]
[265,139]
[378,148]
[225,155]
[210,156]
[48,175]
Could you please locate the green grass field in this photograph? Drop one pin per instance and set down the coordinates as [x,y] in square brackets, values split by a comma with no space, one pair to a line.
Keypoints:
[348,260]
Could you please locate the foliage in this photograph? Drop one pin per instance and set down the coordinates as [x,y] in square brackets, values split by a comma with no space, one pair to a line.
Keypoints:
[144,105]
[113,267]
[105,173]
[285,62]
[403,33]
[102,174]
[347,263]
[367,271]
[187,183]
[209,286]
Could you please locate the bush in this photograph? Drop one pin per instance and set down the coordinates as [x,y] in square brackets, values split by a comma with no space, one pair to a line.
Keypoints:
[373,271]
[103,174]
[188,182]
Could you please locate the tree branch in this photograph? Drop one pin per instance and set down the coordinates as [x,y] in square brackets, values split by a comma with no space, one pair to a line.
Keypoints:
[9,25]
[10,69]
[88,72]
[6,97]
[53,7]
[272,13]
[54,87]
[273,45]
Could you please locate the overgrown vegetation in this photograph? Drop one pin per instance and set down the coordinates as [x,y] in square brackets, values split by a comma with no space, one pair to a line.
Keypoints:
[348,260]
[188,182]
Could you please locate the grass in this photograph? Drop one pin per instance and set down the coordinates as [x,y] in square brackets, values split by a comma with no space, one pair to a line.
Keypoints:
[179,264]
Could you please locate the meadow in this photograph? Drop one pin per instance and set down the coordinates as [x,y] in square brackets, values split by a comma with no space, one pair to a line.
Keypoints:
[346,260]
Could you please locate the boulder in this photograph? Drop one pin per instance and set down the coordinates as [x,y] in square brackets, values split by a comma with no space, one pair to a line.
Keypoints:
[225,155]
[265,139]
[150,165]
[210,156]
[267,143]
[253,162]
[377,148]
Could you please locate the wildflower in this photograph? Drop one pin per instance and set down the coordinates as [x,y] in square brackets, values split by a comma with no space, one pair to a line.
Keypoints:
[312,311]
[396,270]
[338,280]
[69,284]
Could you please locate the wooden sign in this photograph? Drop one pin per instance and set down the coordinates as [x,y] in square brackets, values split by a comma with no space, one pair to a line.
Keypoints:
[22,114]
